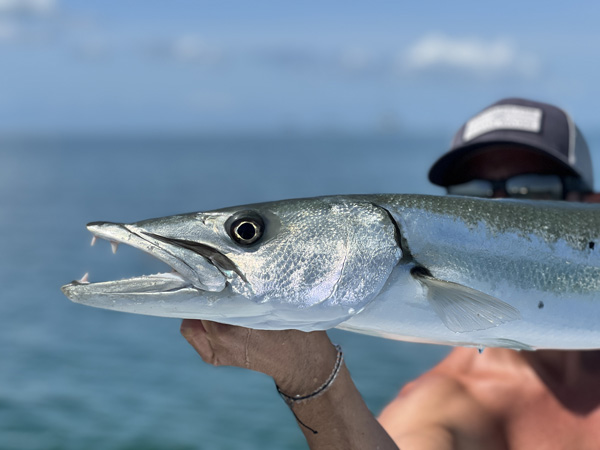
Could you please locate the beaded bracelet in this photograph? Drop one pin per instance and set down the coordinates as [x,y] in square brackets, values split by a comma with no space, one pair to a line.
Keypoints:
[292,400]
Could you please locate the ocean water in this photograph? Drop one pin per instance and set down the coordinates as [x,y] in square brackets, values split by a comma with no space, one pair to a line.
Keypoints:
[74,377]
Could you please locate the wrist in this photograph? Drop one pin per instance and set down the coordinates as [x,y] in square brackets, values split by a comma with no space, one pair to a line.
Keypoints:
[310,363]
[292,399]
[297,399]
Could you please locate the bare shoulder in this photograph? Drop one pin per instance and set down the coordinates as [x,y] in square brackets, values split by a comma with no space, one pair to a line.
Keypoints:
[430,401]
[439,410]
[436,396]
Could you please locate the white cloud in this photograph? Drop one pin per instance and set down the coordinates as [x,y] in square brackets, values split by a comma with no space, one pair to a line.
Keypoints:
[27,6]
[9,30]
[212,101]
[26,21]
[195,49]
[93,47]
[356,58]
[473,55]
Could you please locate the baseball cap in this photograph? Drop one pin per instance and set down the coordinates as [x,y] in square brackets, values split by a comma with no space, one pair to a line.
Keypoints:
[542,127]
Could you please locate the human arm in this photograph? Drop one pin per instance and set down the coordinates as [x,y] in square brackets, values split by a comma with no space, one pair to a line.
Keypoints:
[299,363]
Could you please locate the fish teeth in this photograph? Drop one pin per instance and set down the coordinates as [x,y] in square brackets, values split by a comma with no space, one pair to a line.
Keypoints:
[113,245]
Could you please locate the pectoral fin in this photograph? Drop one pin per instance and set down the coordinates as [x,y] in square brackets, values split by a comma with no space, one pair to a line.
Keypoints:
[462,308]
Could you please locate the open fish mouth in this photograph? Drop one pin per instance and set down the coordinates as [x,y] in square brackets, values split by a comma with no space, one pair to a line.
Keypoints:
[195,267]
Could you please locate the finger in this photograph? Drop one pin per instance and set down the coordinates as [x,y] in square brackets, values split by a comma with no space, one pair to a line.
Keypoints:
[221,332]
[229,343]
[190,328]
[195,333]
[214,329]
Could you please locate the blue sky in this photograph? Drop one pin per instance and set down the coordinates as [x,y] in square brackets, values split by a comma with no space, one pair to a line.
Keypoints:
[228,66]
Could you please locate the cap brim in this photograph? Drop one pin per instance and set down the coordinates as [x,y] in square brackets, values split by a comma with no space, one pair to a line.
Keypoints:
[443,171]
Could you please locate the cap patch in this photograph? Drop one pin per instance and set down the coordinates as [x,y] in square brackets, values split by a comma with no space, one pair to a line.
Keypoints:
[504,117]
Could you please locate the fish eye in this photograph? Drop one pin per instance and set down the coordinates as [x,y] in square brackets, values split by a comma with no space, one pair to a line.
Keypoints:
[245,228]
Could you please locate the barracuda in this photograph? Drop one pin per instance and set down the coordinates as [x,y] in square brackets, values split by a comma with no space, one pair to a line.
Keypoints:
[446,270]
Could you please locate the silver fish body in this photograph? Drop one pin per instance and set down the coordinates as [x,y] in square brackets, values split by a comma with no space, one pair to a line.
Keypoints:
[449,270]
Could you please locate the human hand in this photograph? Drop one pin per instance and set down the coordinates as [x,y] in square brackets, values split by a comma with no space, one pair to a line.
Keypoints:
[298,361]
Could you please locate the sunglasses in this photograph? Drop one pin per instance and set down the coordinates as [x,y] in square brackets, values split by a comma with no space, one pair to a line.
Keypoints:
[548,187]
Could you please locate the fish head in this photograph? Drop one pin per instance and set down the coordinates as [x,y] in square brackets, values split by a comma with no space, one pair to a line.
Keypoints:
[304,264]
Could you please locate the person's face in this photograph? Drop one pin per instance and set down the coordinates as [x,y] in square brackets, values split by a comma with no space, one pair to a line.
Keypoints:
[500,162]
